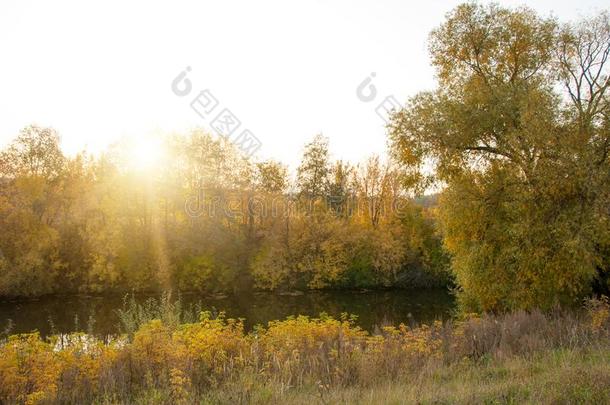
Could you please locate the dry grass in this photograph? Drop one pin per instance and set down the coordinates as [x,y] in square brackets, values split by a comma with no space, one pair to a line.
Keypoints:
[515,358]
[551,377]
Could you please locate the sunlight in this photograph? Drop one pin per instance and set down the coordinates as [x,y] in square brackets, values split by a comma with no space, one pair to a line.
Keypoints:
[146,153]
[322,202]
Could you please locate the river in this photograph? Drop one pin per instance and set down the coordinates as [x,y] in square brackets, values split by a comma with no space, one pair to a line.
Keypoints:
[98,314]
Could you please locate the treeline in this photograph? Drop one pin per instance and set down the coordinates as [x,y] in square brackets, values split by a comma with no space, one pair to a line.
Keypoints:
[202,217]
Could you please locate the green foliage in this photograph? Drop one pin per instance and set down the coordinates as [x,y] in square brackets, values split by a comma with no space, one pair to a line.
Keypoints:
[525,166]
[171,312]
[314,171]
[202,273]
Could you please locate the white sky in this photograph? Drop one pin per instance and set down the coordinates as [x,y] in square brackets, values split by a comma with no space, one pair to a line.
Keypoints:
[287,69]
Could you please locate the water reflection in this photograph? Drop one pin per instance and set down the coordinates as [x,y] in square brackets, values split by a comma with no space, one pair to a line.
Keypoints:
[97,314]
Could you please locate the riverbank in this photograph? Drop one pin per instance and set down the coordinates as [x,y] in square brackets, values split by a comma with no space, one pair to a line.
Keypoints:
[519,357]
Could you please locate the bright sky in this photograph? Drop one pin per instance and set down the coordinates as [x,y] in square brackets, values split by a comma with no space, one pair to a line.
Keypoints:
[286,69]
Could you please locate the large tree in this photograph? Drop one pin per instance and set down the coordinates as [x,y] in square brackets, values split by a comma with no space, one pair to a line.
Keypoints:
[518,133]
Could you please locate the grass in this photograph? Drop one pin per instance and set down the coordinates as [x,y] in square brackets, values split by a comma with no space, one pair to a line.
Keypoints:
[523,357]
[170,311]
[553,377]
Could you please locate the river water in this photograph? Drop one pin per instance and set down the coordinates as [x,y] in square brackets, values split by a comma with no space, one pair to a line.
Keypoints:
[98,314]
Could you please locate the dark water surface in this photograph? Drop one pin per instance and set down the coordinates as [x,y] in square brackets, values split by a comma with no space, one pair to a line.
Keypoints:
[97,314]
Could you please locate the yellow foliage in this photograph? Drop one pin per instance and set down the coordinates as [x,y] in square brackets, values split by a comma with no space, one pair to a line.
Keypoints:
[599,310]
[29,370]
[183,361]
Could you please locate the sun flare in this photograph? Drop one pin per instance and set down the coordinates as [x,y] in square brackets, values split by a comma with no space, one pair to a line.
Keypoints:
[146,153]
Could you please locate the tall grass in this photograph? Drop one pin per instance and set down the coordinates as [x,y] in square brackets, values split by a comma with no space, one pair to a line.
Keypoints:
[323,360]
[134,314]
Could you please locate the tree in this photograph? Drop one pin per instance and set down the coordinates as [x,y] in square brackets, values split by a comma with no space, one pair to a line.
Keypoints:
[375,184]
[30,207]
[314,170]
[340,189]
[35,152]
[525,168]
[271,177]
